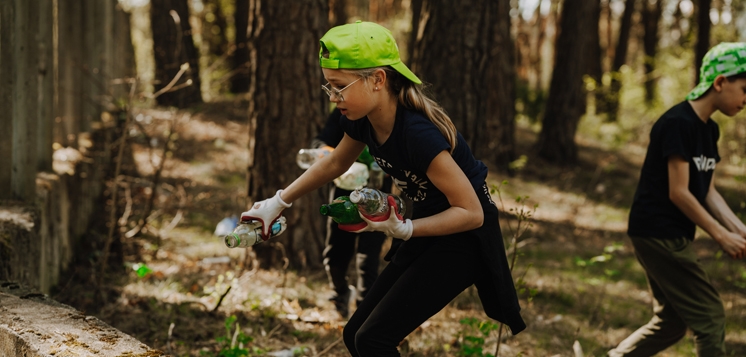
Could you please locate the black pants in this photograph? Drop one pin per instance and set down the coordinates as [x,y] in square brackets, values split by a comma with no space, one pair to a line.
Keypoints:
[404,297]
[340,248]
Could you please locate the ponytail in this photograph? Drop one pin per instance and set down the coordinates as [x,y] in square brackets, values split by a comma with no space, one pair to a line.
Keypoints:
[413,96]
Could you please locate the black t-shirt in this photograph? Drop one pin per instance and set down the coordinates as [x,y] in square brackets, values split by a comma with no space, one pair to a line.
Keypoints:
[407,153]
[679,131]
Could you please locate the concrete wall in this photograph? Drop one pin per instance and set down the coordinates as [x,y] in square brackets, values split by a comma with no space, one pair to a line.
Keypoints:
[32,325]
[37,241]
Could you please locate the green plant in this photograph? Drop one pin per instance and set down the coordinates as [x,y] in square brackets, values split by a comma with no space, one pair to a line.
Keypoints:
[473,336]
[523,216]
[235,343]
[603,258]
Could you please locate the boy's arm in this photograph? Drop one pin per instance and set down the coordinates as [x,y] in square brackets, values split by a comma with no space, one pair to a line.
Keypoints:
[722,212]
[678,182]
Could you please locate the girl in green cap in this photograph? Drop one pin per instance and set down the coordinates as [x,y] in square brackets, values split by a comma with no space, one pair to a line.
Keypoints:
[676,193]
[453,240]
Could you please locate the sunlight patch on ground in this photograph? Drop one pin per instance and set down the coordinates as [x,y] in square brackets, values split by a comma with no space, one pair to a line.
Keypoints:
[561,206]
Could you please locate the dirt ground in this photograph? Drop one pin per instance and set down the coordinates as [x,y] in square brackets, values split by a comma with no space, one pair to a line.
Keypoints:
[180,290]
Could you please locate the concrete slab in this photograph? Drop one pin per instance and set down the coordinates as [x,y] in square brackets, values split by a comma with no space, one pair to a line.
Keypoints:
[32,325]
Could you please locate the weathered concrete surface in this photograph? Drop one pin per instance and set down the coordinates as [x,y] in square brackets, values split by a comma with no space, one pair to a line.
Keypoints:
[38,239]
[32,325]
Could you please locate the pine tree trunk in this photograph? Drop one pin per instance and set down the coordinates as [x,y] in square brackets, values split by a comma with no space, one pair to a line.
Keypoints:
[651,15]
[703,34]
[173,46]
[567,98]
[416,7]
[497,143]
[468,68]
[287,109]
[620,58]
[595,68]
[240,80]
[338,13]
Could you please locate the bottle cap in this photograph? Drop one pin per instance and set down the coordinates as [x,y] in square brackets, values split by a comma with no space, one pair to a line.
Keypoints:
[356,196]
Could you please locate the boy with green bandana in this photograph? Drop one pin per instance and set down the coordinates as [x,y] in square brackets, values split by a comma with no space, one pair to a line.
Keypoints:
[675,194]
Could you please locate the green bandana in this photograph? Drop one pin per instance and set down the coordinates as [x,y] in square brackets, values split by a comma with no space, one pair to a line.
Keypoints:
[362,45]
[727,59]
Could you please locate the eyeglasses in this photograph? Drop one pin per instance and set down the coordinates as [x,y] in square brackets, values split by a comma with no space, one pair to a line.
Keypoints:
[338,92]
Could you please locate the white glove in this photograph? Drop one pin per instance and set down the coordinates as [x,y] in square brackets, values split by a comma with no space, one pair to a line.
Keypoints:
[394,225]
[267,212]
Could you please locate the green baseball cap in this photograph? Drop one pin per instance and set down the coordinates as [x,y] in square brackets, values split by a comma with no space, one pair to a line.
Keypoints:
[362,45]
[727,58]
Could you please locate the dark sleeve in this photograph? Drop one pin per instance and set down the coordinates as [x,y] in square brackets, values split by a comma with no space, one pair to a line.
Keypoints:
[676,138]
[424,143]
[332,132]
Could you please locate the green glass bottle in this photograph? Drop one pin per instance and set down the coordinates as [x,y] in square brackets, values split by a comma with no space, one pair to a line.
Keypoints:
[365,157]
[342,211]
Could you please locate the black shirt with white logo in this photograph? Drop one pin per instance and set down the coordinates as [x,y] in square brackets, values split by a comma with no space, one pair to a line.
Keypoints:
[407,153]
[680,132]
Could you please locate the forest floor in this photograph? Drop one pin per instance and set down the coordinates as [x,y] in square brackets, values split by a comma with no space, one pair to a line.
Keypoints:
[579,283]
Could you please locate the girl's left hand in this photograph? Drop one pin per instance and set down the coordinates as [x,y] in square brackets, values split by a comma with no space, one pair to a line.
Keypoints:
[394,225]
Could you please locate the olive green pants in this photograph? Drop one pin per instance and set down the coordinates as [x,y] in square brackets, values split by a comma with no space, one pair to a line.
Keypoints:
[682,298]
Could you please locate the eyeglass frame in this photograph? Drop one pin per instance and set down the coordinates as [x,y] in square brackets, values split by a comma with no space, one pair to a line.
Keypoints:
[338,92]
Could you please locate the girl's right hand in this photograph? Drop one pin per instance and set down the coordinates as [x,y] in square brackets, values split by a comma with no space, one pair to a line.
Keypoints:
[267,212]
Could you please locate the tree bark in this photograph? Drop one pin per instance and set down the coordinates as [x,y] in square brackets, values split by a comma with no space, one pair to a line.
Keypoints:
[567,98]
[497,142]
[240,80]
[416,7]
[651,15]
[173,46]
[383,10]
[469,68]
[703,34]
[595,57]
[286,110]
[620,58]
[337,13]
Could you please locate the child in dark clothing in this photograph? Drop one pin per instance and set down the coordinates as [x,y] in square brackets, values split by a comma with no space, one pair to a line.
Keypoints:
[676,193]
[341,245]
[453,240]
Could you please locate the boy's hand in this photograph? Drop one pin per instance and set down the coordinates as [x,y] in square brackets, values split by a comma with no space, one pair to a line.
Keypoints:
[267,212]
[734,244]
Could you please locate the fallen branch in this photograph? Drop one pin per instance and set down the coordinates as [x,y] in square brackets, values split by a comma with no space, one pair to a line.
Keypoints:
[220,301]
[328,348]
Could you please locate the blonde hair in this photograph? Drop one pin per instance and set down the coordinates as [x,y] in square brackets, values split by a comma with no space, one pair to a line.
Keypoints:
[413,96]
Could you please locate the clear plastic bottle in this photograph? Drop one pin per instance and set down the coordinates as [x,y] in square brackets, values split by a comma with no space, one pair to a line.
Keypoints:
[375,176]
[354,178]
[249,233]
[308,157]
[374,203]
